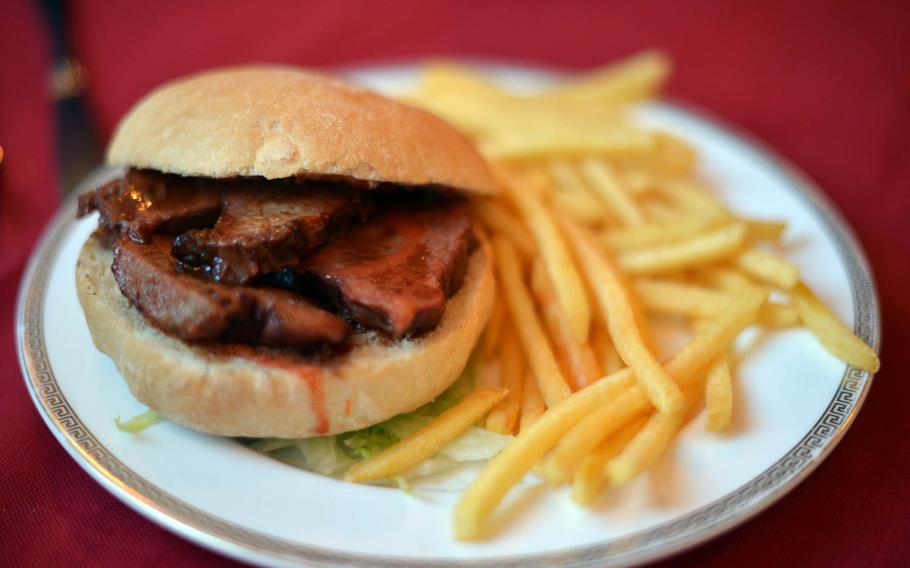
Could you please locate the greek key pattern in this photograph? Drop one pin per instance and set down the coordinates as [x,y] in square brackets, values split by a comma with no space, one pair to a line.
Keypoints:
[661,540]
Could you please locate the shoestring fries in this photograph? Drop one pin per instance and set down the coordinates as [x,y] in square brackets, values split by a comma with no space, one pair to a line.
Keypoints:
[428,440]
[550,381]
[832,334]
[577,357]
[621,312]
[554,253]
[644,449]
[501,221]
[606,186]
[619,390]
[601,226]
[504,416]
[532,404]
[768,268]
[590,475]
[719,394]
[706,248]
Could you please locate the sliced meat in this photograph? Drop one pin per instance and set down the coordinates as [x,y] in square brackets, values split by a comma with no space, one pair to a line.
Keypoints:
[143,202]
[395,271]
[263,229]
[194,308]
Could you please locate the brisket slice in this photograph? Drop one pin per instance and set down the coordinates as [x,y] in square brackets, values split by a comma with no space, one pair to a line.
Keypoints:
[395,271]
[266,227]
[194,308]
[143,202]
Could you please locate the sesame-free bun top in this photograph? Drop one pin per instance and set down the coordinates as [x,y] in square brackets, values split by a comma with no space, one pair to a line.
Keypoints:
[280,122]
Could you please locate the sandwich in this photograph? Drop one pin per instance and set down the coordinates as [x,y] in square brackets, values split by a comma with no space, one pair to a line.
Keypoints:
[284,254]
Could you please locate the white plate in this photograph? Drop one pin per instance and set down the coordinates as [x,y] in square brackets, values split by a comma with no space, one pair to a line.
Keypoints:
[793,404]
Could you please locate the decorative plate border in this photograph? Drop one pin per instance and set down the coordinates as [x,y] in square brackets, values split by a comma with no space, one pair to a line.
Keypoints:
[660,541]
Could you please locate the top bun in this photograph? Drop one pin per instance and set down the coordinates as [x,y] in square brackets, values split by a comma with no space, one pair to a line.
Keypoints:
[279,122]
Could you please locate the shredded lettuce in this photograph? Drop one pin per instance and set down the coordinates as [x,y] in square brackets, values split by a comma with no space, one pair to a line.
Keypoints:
[267,445]
[475,444]
[333,456]
[430,466]
[139,422]
[403,484]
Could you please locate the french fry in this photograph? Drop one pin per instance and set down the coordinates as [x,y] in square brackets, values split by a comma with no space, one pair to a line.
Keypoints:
[557,467]
[504,416]
[589,476]
[447,77]
[630,79]
[676,298]
[580,362]
[583,438]
[567,282]
[719,394]
[831,333]
[532,405]
[710,246]
[768,268]
[459,90]
[604,351]
[503,222]
[671,157]
[478,117]
[566,179]
[493,331]
[578,207]
[778,316]
[623,321]
[645,447]
[654,233]
[567,145]
[716,335]
[725,278]
[428,440]
[691,197]
[550,381]
[488,372]
[510,130]
[674,156]
[657,211]
[590,363]
[764,230]
[509,466]
[608,188]
[639,181]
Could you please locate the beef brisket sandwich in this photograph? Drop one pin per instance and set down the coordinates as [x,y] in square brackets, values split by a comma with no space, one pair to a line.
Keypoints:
[285,254]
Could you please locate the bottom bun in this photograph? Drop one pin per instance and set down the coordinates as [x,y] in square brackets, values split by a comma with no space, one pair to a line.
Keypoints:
[263,393]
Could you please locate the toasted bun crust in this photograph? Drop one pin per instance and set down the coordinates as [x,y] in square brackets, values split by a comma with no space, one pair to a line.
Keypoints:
[271,396]
[279,122]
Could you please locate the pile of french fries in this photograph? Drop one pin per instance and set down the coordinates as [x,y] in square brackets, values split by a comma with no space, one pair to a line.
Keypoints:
[600,227]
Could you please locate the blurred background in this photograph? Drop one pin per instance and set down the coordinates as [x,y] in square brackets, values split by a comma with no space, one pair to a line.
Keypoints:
[827,83]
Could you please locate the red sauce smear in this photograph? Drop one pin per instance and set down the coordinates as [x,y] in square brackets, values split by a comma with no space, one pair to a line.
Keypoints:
[314,380]
[347,407]
[312,376]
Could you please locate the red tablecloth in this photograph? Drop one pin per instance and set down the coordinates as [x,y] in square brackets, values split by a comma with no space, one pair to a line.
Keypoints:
[827,83]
